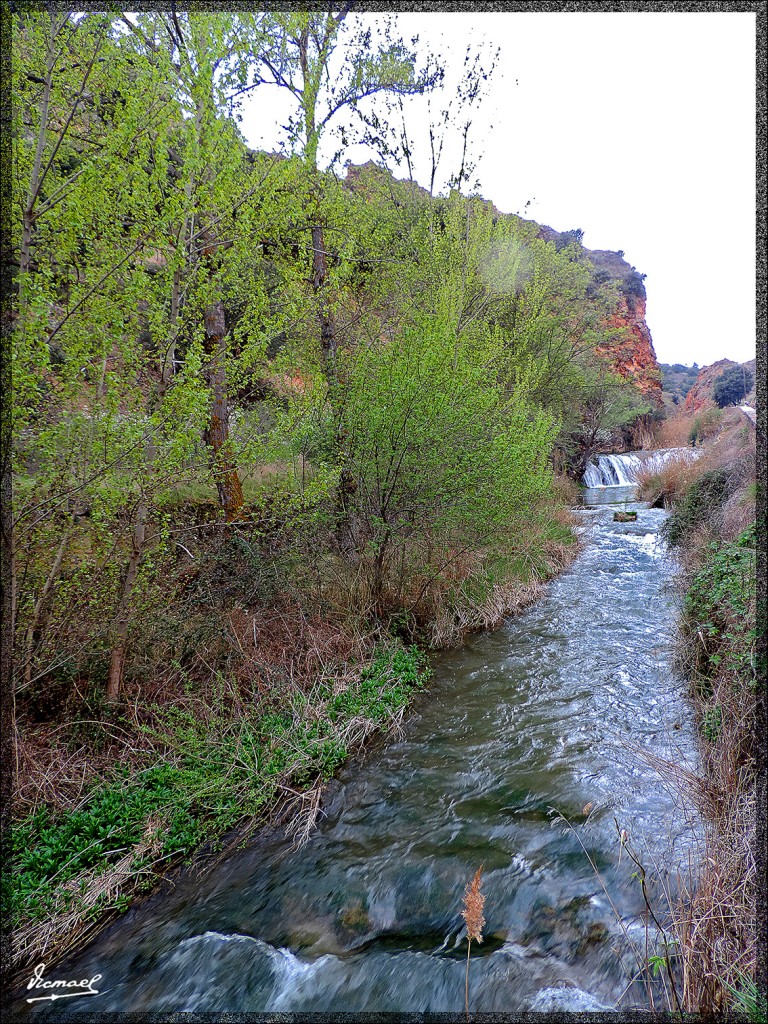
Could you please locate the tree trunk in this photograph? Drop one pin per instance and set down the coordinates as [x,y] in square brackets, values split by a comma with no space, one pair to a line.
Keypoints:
[122,615]
[327,324]
[217,435]
[39,608]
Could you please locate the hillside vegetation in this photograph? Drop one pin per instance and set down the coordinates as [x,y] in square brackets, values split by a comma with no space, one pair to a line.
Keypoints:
[277,432]
[678,379]
[712,528]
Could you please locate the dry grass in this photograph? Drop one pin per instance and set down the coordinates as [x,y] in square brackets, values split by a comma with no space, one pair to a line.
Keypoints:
[713,916]
[473,902]
[566,491]
[672,432]
[733,449]
[449,621]
[670,481]
[716,919]
[717,915]
[58,773]
[452,623]
[738,512]
[472,913]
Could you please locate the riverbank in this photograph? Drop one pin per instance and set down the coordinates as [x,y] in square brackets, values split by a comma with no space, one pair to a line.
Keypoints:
[712,527]
[539,719]
[243,729]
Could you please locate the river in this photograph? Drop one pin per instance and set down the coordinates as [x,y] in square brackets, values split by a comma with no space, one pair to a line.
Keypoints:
[537,719]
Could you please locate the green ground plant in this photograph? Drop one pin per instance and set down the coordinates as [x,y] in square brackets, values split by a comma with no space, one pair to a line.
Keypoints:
[215,772]
[749,1001]
[720,607]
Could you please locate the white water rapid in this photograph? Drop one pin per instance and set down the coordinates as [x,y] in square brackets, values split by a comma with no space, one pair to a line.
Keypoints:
[622,470]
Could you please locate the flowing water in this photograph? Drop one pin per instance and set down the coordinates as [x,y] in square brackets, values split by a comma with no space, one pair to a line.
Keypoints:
[622,470]
[541,717]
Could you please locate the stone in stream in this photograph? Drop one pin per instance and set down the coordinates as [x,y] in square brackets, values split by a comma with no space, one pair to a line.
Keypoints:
[624,517]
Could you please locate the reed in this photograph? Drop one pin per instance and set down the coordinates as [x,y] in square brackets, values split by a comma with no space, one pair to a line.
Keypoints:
[472,913]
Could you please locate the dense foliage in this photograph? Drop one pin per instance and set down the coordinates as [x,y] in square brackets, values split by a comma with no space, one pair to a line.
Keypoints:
[732,385]
[721,604]
[264,418]
[193,313]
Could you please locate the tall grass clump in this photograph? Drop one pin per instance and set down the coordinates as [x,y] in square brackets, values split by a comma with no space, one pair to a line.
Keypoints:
[665,484]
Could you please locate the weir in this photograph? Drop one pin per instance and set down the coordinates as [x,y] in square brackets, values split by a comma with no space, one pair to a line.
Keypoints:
[621,470]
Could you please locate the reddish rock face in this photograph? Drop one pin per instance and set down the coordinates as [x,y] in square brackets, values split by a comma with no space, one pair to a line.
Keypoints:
[700,395]
[629,348]
[630,351]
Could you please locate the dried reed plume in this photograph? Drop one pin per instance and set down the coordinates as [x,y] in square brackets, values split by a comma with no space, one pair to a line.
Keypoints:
[472,913]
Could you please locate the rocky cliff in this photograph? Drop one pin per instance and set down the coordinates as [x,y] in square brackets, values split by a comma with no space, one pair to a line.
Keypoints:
[629,347]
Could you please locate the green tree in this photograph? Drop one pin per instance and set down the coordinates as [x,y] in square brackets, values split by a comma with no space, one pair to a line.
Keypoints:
[78,254]
[129,246]
[732,385]
[300,59]
[606,402]
[446,458]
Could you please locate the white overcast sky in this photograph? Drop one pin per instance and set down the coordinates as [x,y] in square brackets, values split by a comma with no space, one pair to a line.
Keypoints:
[638,128]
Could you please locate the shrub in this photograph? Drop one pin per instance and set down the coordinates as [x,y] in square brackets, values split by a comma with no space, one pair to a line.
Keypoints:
[702,500]
[632,286]
[704,426]
[444,457]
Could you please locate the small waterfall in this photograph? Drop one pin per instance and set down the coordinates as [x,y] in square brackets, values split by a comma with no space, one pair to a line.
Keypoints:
[622,470]
[613,470]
